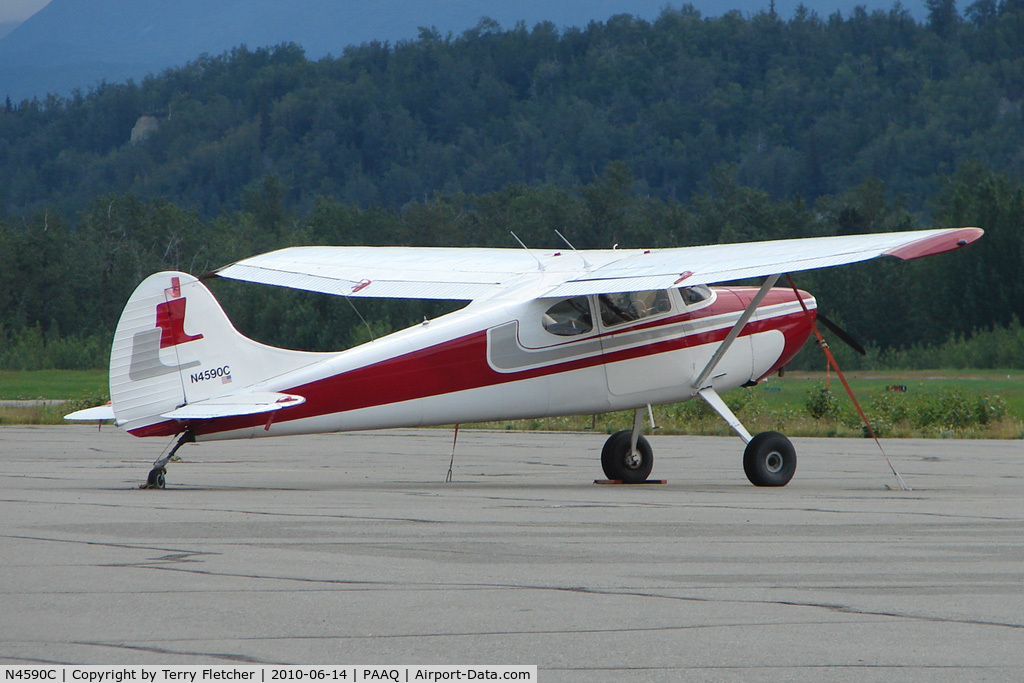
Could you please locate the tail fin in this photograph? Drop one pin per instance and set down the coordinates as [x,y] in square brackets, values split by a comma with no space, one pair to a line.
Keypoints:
[175,346]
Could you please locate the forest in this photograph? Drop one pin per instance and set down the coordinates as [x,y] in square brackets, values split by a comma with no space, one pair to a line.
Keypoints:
[685,130]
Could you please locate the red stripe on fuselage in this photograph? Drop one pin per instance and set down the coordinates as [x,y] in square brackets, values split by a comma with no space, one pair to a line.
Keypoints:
[461,364]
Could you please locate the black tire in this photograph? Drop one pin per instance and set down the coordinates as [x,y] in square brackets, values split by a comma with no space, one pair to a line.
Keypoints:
[769,460]
[157,478]
[617,463]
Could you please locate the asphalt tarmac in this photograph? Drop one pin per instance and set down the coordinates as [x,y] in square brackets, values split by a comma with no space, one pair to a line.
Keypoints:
[352,549]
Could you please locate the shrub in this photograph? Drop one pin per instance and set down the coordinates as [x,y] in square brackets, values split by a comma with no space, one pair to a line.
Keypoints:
[890,407]
[955,410]
[30,349]
[821,402]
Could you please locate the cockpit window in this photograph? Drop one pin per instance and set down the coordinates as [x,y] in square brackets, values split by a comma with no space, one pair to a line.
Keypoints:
[569,317]
[694,295]
[624,307]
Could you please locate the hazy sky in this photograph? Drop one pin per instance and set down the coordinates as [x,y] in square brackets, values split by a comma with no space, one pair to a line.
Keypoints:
[19,10]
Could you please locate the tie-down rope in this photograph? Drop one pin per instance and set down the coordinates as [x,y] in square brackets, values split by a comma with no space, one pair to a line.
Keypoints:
[832,361]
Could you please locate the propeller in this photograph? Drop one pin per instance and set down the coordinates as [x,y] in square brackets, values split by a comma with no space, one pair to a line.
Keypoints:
[842,334]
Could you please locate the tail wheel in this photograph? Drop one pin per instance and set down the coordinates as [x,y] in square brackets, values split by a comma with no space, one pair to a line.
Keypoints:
[157,478]
[769,460]
[621,463]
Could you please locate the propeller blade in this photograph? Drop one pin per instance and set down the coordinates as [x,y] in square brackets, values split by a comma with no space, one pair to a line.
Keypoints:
[842,334]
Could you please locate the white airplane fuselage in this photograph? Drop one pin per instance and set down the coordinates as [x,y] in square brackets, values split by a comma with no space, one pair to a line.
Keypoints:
[496,360]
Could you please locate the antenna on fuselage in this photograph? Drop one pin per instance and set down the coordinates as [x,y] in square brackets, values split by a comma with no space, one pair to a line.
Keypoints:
[586,263]
[564,239]
[540,264]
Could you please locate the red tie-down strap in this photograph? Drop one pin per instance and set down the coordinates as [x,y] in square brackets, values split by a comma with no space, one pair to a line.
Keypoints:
[832,362]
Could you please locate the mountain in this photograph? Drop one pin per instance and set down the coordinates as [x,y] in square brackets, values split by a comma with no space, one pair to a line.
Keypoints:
[8,26]
[71,44]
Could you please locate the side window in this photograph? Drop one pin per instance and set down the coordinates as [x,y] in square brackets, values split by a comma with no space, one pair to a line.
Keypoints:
[624,307]
[569,317]
[694,295]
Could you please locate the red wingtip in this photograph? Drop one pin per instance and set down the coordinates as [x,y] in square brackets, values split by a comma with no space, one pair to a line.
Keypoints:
[949,240]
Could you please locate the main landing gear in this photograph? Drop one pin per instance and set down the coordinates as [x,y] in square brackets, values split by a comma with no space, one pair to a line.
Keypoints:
[627,456]
[623,462]
[157,478]
[768,460]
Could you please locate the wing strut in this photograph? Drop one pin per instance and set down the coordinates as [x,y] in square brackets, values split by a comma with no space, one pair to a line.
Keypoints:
[716,402]
[701,381]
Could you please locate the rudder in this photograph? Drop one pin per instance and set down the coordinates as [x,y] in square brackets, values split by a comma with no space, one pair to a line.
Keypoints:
[174,345]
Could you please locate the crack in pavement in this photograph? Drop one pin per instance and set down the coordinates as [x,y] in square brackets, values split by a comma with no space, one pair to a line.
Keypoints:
[837,608]
[177,556]
[108,544]
[521,632]
[244,659]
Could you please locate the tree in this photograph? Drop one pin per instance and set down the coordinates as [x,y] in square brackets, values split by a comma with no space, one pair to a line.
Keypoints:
[943,18]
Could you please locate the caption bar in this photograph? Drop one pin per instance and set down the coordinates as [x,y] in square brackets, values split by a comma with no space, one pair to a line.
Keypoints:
[263,674]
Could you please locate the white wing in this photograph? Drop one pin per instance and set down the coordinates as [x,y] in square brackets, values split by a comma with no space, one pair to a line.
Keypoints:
[470,273]
[665,268]
[387,272]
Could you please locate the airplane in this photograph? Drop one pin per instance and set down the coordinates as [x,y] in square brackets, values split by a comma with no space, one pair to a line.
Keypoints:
[545,333]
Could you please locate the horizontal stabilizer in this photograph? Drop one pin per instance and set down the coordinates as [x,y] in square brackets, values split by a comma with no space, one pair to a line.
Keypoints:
[234,406]
[104,412]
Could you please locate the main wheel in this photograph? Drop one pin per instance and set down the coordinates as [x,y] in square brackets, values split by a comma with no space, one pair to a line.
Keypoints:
[769,460]
[619,463]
